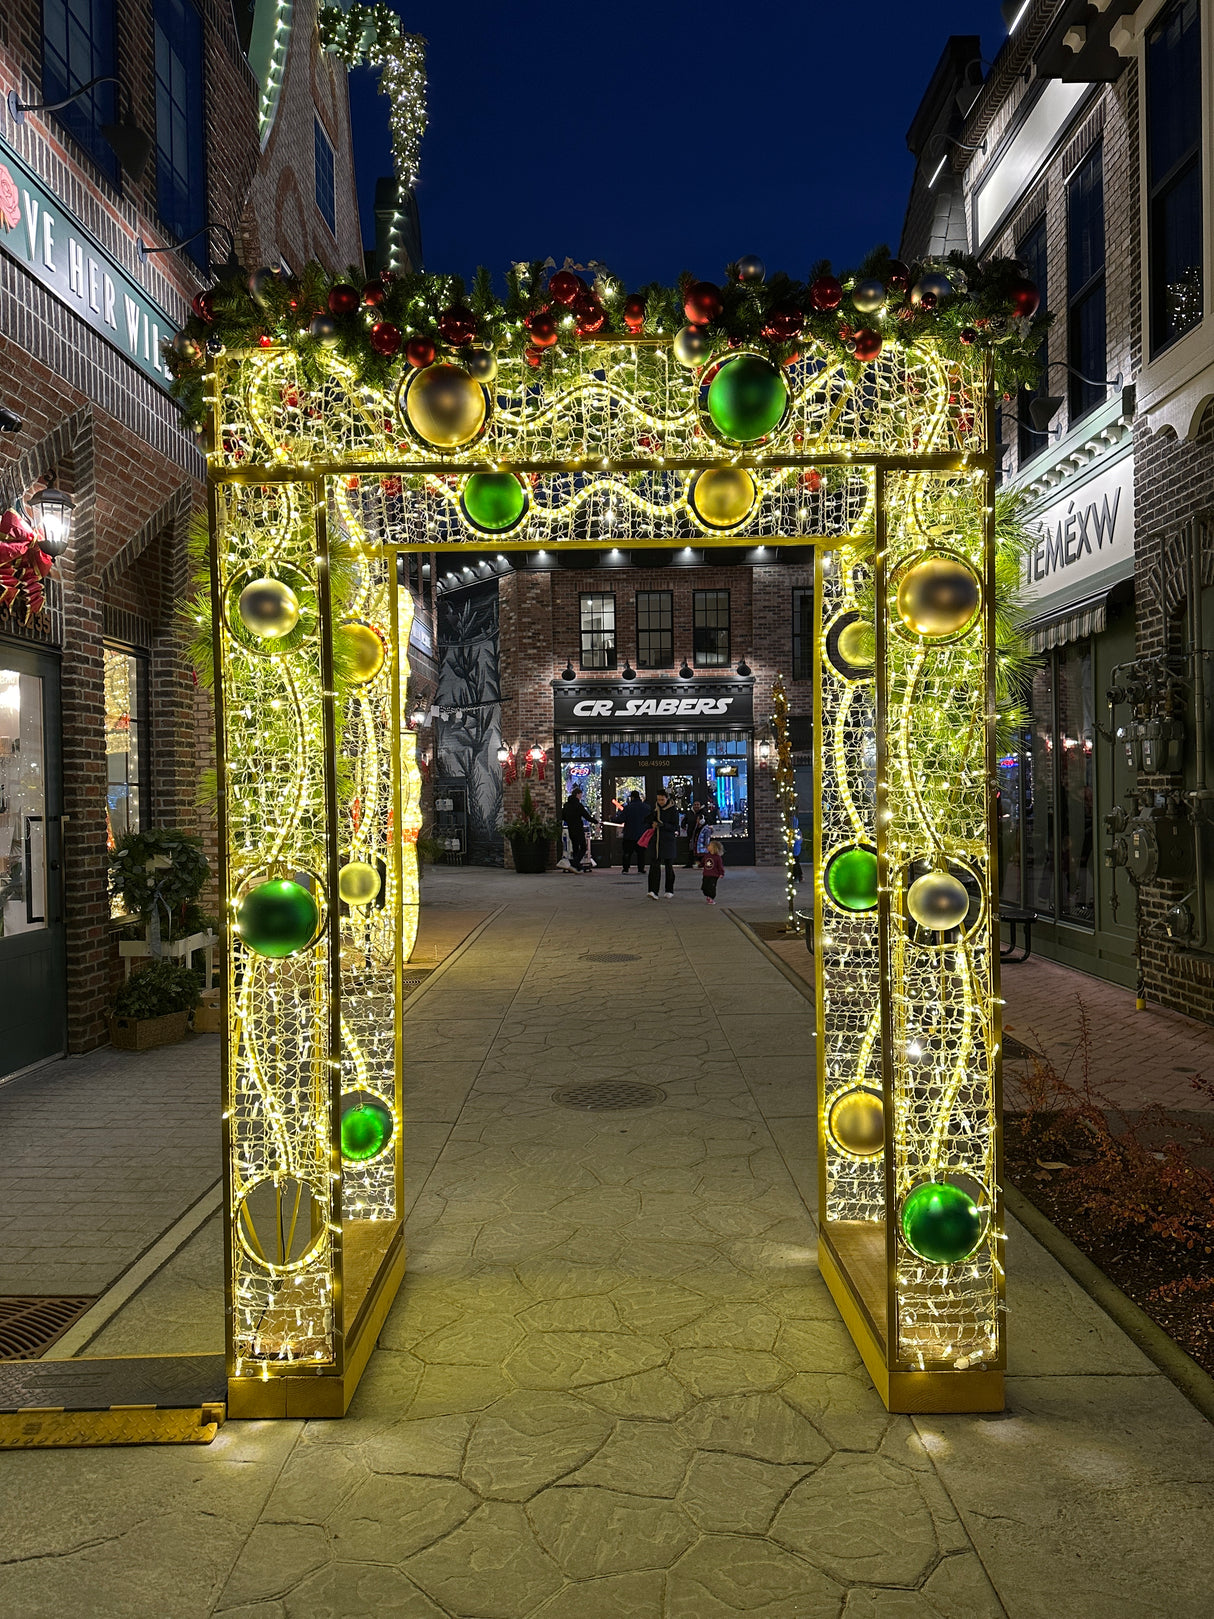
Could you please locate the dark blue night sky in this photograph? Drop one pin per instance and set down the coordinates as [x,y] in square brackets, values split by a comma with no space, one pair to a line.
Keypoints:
[664,137]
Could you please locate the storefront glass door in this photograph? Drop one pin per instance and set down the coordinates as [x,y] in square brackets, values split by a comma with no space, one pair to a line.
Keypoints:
[32,1007]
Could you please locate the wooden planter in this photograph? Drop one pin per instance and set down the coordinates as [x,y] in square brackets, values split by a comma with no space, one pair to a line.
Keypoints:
[141,1034]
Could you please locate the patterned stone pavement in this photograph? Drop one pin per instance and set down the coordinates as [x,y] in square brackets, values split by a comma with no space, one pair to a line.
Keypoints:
[613,1385]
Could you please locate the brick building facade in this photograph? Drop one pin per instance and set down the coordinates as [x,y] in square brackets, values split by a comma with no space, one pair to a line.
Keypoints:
[1085,152]
[83,315]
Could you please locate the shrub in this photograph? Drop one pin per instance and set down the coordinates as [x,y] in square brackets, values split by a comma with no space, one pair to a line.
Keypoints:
[163,986]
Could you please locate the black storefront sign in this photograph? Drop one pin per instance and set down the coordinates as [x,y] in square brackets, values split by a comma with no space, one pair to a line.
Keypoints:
[668,705]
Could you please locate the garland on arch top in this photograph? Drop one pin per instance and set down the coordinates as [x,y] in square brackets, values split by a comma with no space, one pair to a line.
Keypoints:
[957,304]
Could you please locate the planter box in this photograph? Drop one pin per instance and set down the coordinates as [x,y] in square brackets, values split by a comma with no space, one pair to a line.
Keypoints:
[141,1034]
[530,855]
[207,1013]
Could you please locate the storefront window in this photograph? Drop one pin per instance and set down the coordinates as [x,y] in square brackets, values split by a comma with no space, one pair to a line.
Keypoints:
[125,700]
[598,631]
[802,633]
[1173,64]
[1085,285]
[22,804]
[1077,877]
[710,628]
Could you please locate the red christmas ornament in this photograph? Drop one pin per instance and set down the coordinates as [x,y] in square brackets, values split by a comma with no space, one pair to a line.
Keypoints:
[544,331]
[343,299]
[812,479]
[868,343]
[533,356]
[540,309]
[385,338]
[634,313]
[928,301]
[373,293]
[589,317]
[702,303]
[897,276]
[564,286]
[968,335]
[457,326]
[265,341]
[1026,300]
[391,487]
[419,351]
[782,324]
[203,306]
[826,292]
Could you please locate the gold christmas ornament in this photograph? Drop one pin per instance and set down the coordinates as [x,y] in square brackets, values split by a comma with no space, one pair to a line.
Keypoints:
[858,644]
[938,900]
[364,651]
[723,496]
[268,608]
[939,596]
[857,1123]
[358,883]
[445,406]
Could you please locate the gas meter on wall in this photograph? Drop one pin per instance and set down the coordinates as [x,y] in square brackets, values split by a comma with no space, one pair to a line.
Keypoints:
[1151,844]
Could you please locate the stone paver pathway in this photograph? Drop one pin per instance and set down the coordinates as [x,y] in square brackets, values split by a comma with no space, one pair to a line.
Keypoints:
[613,1385]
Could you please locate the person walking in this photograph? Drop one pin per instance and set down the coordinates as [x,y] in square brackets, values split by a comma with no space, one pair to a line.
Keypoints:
[712,864]
[664,819]
[691,824]
[635,819]
[576,818]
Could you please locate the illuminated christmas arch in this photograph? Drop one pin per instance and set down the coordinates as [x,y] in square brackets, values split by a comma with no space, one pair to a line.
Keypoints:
[330,457]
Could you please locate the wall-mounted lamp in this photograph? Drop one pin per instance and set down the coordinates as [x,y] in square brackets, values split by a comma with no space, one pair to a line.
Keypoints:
[52,511]
[628,672]
[686,672]
[129,144]
[503,753]
[764,754]
[1045,407]
[419,716]
[568,672]
[230,266]
[10,422]
[744,669]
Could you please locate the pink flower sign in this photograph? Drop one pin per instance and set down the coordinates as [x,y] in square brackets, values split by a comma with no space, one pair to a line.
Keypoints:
[10,201]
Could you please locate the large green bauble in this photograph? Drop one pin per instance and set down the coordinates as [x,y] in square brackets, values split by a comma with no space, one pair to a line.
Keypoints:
[278,918]
[494,500]
[941,1222]
[851,878]
[366,1129]
[747,398]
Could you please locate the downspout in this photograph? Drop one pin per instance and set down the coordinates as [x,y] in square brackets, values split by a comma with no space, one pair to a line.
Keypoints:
[1199,798]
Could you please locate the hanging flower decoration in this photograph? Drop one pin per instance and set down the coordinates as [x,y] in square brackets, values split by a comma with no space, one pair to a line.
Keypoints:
[23,567]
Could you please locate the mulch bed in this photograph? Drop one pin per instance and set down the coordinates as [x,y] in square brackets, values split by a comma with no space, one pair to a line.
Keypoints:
[1172,1284]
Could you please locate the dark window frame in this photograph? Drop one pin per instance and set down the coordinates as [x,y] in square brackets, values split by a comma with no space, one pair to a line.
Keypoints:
[665,599]
[142,661]
[181,155]
[1086,293]
[89,51]
[701,655]
[1184,168]
[325,171]
[802,642]
[587,658]
[1032,249]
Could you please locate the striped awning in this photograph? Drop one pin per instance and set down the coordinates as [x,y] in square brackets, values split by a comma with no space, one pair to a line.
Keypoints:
[711,738]
[1073,623]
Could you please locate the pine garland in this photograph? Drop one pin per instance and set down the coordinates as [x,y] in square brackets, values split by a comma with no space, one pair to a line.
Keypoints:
[978,314]
[374,36]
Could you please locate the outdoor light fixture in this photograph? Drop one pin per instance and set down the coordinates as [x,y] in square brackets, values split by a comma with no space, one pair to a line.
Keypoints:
[628,672]
[765,753]
[52,510]
[125,139]
[230,266]
[10,422]
[535,754]
[503,754]
[744,669]
[419,716]
[685,671]
[1043,409]
[568,672]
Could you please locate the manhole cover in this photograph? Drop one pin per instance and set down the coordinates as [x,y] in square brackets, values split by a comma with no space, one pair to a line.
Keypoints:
[608,1098]
[28,1326]
[1017,1051]
[609,955]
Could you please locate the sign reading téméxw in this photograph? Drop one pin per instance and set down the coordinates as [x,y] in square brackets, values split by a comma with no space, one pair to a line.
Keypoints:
[41,235]
[703,705]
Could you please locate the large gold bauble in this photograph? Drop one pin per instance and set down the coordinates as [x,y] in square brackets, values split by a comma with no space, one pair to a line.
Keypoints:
[938,900]
[358,883]
[268,608]
[939,596]
[445,406]
[858,644]
[364,651]
[857,1123]
[722,497]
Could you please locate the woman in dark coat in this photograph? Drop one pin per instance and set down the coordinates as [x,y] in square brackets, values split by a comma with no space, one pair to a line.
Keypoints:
[635,819]
[577,818]
[664,818]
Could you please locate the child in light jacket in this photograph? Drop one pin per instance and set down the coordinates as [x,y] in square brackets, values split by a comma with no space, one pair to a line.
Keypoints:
[713,868]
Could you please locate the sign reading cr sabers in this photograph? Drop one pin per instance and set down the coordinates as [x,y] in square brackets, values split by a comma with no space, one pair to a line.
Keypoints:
[603,707]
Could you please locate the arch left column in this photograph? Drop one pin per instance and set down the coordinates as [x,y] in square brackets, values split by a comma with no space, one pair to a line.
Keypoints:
[307,692]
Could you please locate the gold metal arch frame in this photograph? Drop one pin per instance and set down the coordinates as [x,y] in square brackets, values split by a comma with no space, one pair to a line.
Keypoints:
[317,482]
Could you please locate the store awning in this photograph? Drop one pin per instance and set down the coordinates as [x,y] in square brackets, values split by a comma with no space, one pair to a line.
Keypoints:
[639,734]
[1071,623]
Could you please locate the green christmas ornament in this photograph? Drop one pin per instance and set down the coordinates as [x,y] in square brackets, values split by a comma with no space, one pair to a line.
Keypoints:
[366,1129]
[278,918]
[851,878]
[493,501]
[747,398]
[941,1222]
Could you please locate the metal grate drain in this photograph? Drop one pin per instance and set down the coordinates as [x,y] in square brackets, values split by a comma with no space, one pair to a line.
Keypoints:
[30,1325]
[1017,1051]
[611,1097]
[609,955]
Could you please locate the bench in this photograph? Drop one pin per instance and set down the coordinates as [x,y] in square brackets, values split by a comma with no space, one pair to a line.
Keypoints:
[1015,917]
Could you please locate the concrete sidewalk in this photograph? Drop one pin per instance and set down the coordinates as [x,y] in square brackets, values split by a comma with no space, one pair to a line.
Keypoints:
[613,1386]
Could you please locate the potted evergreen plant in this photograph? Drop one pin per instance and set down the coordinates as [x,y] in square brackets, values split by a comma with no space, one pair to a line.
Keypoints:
[530,835]
[153,1007]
